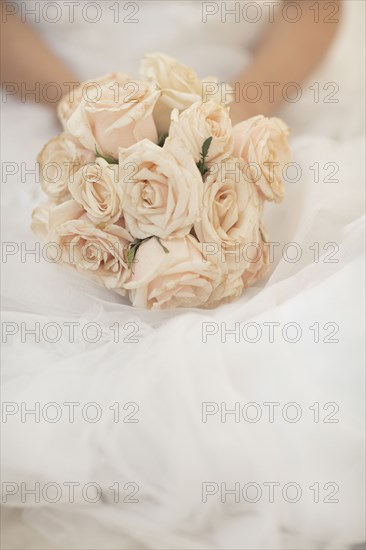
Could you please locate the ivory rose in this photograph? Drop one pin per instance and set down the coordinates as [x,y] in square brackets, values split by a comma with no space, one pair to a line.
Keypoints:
[40,219]
[258,260]
[53,214]
[72,99]
[162,190]
[97,189]
[58,161]
[180,86]
[230,288]
[182,277]
[262,143]
[199,122]
[246,264]
[117,112]
[100,253]
[231,208]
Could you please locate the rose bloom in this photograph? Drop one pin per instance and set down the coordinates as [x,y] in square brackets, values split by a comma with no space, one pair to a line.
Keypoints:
[231,208]
[182,277]
[246,265]
[262,142]
[199,122]
[162,190]
[97,189]
[71,100]
[180,86]
[40,219]
[99,253]
[52,214]
[258,260]
[58,161]
[231,287]
[115,111]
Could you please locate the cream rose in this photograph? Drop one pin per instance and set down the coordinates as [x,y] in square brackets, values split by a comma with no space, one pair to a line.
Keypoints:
[58,161]
[262,143]
[231,287]
[53,214]
[70,101]
[97,189]
[162,190]
[258,260]
[246,266]
[182,277]
[40,219]
[100,253]
[200,122]
[180,86]
[117,112]
[231,209]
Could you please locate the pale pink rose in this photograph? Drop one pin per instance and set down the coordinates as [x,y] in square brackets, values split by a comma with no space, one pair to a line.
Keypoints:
[97,189]
[262,143]
[58,161]
[116,113]
[53,214]
[70,101]
[200,122]
[61,213]
[40,219]
[231,287]
[162,190]
[90,90]
[248,264]
[98,253]
[259,260]
[231,208]
[180,86]
[181,276]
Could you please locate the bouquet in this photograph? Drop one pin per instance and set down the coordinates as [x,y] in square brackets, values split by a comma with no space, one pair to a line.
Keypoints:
[154,194]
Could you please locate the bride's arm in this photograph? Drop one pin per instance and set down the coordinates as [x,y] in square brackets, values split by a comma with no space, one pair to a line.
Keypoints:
[288,52]
[27,63]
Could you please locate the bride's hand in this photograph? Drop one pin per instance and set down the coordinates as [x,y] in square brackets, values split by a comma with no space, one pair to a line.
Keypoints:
[28,66]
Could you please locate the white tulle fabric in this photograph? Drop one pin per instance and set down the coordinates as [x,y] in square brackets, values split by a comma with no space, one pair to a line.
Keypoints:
[170,372]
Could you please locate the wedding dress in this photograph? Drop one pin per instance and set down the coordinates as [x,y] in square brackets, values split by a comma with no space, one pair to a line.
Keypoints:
[177,375]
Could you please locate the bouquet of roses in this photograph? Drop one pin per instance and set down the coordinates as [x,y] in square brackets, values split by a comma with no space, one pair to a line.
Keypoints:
[154,194]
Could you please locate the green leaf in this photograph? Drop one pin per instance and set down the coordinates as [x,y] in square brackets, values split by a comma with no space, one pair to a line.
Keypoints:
[201,164]
[110,160]
[130,256]
[132,249]
[162,140]
[205,147]
[135,245]
[162,246]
